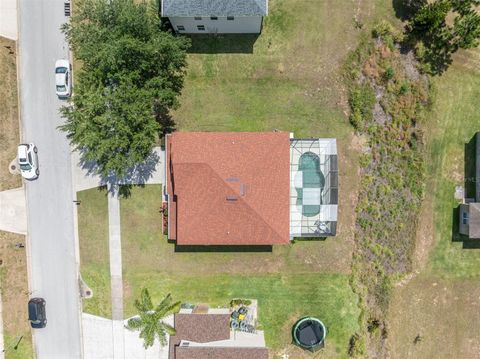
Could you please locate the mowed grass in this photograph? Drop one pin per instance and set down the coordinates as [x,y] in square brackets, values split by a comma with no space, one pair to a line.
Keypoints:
[289,78]
[94,252]
[13,269]
[287,81]
[442,303]
[445,312]
[15,295]
[455,120]
[9,129]
[287,282]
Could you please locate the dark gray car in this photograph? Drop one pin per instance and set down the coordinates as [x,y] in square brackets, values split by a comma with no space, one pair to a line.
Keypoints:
[36,313]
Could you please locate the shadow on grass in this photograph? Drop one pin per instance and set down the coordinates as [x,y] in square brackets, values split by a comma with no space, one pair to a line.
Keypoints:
[222,249]
[404,10]
[470,167]
[309,239]
[136,176]
[222,44]
[470,181]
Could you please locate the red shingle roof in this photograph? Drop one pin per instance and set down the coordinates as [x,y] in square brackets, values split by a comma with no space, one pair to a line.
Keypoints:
[229,188]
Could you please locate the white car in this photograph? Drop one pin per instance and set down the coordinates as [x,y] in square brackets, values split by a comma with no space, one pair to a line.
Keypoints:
[63,81]
[28,160]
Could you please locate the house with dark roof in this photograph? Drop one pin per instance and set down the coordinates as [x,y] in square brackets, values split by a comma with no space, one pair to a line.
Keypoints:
[215,16]
[469,221]
[249,188]
[208,336]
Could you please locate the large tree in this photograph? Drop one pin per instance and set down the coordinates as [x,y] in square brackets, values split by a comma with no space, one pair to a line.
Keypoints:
[444,26]
[131,75]
[150,319]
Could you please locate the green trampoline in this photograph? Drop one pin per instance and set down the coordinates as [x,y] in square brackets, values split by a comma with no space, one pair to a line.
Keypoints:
[309,333]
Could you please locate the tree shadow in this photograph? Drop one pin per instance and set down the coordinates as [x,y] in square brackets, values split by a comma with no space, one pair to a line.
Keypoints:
[164,119]
[438,57]
[404,10]
[222,248]
[310,239]
[470,152]
[222,43]
[136,176]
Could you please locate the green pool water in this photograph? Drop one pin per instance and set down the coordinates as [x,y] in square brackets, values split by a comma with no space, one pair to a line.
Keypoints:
[312,177]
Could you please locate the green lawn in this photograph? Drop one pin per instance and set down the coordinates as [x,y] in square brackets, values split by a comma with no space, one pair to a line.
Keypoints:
[24,349]
[441,303]
[287,282]
[455,120]
[94,253]
[289,82]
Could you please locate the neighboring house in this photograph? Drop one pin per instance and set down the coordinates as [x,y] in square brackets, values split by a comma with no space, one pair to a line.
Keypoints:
[249,188]
[208,336]
[470,208]
[215,16]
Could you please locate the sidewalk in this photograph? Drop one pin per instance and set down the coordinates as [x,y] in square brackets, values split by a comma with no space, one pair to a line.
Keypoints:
[152,172]
[115,249]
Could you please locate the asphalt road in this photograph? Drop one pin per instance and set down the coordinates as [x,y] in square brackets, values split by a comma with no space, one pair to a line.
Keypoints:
[50,209]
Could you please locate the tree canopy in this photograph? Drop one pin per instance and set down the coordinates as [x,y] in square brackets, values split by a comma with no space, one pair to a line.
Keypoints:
[442,27]
[131,75]
[150,319]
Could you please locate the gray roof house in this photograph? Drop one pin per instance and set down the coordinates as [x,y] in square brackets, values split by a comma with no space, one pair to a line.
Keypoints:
[469,224]
[215,16]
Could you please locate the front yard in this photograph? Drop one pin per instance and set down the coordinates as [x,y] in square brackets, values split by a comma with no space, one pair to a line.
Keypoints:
[13,261]
[94,252]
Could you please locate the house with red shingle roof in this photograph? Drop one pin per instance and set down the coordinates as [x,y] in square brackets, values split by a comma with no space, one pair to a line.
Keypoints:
[249,188]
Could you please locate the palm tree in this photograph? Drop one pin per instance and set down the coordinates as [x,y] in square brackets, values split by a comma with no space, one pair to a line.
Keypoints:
[149,320]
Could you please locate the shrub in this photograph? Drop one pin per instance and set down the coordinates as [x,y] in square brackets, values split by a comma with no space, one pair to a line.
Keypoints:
[389,73]
[239,301]
[362,99]
[384,29]
[404,89]
[356,346]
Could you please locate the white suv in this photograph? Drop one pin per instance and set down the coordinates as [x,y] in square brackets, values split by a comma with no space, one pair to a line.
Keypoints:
[63,81]
[28,160]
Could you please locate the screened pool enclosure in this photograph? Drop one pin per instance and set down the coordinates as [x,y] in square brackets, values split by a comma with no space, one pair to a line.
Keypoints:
[313,187]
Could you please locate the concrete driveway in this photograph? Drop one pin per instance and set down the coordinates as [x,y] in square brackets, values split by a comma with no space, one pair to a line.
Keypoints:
[8,19]
[98,341]
[13,211]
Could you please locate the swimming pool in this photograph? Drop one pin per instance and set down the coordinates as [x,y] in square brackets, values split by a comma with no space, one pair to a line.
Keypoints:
[309,182]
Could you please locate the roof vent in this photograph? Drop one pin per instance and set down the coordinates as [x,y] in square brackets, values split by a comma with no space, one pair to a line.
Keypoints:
[232,198]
